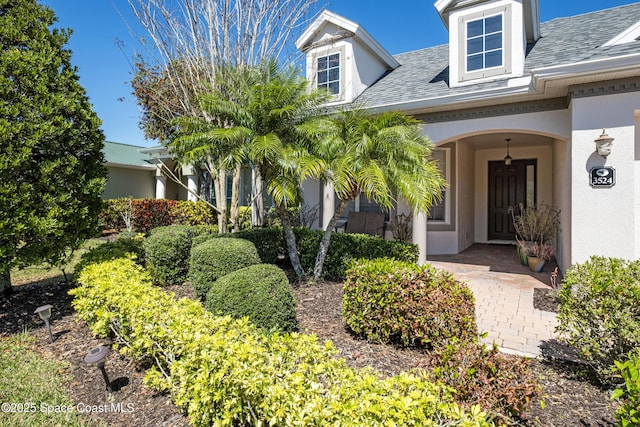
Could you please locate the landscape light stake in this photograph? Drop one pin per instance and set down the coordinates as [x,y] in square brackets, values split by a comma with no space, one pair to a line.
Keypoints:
[45,314]
[97,356]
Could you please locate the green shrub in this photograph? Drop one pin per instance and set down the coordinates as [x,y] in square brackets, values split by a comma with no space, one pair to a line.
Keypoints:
[629,413]
[392,301]
[226,372]
[261,292]
[167,254]
[218,257]
[187,212]
[268,242]
[345,247]
[501,384]
[118,248]
[599,313]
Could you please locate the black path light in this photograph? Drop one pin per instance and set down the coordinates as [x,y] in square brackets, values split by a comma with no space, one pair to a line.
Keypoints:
[45,314]
[98,356]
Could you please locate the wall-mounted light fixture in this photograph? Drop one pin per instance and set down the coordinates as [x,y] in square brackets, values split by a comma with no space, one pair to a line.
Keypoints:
[45,314]
[98,356]
[508,158]
[603,144]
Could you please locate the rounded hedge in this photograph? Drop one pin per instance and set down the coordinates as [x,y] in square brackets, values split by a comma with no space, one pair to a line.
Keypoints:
[390,301]
[167,252]
[217,257]
[260,292]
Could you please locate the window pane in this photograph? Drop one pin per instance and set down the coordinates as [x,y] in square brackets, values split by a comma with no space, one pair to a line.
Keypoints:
[437,211]
[334,60]
[474,28]
[474,62]
[334,87]
[492,42]
[334,74]
[493,24]
[474,45]
[322,77]
[322,63]
[493,59]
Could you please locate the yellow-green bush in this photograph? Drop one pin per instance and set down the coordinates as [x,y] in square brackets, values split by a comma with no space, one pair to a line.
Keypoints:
[629,412]
[225,372]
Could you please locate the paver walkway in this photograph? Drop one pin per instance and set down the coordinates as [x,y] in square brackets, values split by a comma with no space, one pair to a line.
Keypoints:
[503,289]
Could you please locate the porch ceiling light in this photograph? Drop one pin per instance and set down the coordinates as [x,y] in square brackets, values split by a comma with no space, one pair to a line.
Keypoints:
[45,314]
[98,356]
[507,158]
[603,144]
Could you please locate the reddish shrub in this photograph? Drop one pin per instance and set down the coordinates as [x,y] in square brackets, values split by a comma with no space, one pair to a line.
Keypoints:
[500,383]
[391,301]
[151,213]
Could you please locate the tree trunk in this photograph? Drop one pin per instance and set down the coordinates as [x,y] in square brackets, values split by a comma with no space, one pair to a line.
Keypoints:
[235,196]
[5,280]
[257,199]
[326,239]
[221,199]
[290,238]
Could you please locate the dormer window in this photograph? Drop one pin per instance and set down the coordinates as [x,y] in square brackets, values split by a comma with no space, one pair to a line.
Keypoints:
[485,47]
[328,73]
[484,43]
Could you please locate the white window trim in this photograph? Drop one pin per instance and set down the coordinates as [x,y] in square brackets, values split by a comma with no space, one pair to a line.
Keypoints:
[340,96]
[447,194]
[507,48]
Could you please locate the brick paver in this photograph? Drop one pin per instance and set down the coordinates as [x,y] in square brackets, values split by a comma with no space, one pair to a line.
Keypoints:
[503,289]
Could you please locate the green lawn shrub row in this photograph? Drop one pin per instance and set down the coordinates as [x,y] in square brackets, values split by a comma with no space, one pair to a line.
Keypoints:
[399,302]
[260,292]
[345,247]
[599,313]
[217,257]
[147,214]
[225,372]
[629,413]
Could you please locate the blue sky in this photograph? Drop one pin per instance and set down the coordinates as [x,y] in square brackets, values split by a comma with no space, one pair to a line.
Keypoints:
[105,66]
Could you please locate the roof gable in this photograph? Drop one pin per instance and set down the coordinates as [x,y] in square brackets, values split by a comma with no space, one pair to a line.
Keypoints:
[313,36]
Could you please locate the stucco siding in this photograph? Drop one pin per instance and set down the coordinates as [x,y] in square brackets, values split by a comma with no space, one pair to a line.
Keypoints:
[124,182]
[603,218]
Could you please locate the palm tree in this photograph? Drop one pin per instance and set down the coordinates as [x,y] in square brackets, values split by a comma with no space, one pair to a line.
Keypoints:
[383,156]
[258,114]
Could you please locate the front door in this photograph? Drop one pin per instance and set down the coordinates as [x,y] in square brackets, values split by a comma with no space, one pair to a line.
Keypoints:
[508,186]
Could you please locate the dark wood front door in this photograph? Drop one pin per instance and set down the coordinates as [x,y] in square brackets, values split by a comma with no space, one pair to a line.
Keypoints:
[507,187]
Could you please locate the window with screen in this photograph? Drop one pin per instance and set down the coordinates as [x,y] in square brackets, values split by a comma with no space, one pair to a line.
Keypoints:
[328,73]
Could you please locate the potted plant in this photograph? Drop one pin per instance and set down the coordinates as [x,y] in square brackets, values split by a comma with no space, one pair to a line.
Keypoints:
[534,224]
[538,254]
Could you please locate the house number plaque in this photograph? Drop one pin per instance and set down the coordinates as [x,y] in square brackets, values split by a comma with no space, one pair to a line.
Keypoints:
[603,177]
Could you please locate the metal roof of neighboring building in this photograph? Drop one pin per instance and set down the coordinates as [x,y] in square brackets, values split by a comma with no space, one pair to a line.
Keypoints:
[118,154]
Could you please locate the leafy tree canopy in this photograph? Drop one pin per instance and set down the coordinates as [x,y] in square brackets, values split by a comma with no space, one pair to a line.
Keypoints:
[51,172]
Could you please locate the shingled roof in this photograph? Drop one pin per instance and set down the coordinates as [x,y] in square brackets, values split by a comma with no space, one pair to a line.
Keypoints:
[424,74]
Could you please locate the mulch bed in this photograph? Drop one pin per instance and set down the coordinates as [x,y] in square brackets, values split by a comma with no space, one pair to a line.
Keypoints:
[569,400]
